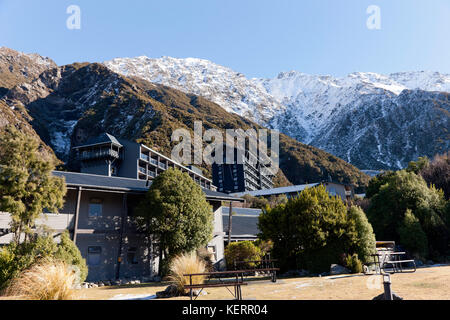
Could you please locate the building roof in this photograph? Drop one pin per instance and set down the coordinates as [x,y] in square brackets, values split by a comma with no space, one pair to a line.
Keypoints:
[244,223]
[101,139]
[100,182]
[275,191]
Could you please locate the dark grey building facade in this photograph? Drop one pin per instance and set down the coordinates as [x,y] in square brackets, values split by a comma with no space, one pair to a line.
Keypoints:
[98,213]
[248,174]
[106,155]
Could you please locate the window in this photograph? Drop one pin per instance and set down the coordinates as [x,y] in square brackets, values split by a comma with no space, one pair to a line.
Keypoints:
[94,256]
[95,208]
[132,255]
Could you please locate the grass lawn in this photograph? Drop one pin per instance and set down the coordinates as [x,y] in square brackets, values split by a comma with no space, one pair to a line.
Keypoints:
[426,283]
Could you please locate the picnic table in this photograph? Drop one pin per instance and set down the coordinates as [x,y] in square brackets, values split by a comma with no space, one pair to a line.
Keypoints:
[386,259]
[217,278]
[237,282]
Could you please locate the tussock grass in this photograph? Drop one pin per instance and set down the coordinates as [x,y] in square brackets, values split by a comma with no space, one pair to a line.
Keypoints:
[45,280]
[184,264]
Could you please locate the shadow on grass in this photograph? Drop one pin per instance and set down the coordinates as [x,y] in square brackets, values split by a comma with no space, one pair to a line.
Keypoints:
[141,285]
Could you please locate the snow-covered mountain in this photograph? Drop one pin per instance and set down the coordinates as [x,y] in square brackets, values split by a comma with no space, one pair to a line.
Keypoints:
[314,101]
[309,107]
[229,89]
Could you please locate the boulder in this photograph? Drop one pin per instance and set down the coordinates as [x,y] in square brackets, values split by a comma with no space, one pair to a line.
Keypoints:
[337,269]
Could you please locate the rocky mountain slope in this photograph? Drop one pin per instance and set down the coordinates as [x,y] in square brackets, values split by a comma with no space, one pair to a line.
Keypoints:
[19,69]
[67,105]
[305,107]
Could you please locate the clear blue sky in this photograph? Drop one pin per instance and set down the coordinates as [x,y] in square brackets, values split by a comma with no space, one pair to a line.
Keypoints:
[258,38]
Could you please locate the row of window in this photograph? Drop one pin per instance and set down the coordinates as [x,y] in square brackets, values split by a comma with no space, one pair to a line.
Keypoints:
[95,256]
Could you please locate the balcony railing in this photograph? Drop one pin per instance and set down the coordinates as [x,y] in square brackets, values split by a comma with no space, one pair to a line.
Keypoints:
[143,170]
[89,155]
[144,157]
[162,165]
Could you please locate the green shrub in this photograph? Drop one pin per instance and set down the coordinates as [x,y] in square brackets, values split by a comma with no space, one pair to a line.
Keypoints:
[69,253]
[16,258]
[365,242]
[7,266]
[353,263]
[412,236]
[265,246]
[242,251]
[310,231]
[392,194]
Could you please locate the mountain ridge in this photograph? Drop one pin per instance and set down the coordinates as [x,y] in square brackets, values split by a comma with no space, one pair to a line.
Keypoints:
[300,105]
[69,104]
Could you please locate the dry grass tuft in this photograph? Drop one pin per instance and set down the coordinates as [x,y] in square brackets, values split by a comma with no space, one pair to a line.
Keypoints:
[184,264]
[46,280]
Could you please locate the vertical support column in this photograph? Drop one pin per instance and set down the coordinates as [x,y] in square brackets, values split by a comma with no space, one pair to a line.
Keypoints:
[387,287]
[230,221]
[77,215]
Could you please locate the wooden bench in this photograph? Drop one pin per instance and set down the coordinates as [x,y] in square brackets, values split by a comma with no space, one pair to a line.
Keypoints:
[237,282]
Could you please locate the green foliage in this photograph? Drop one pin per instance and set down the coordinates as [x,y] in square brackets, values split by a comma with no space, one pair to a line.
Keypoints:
[365,243]
[176,215]
[69,253]
[255,202]
[242,251]
[311,231]
[265,246]
[353,263]
[14,258]
[412,235]
[8,268]
[419,165]
[26,184]
[277,200]
[392,194]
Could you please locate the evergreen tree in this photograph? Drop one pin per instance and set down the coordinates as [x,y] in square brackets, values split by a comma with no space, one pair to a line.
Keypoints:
[175,215]
[365,242]
[412,236]
[393,193]
[26,184]
[311,231]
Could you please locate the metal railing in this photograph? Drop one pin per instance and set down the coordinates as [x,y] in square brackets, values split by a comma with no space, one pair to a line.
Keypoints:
[87,155]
